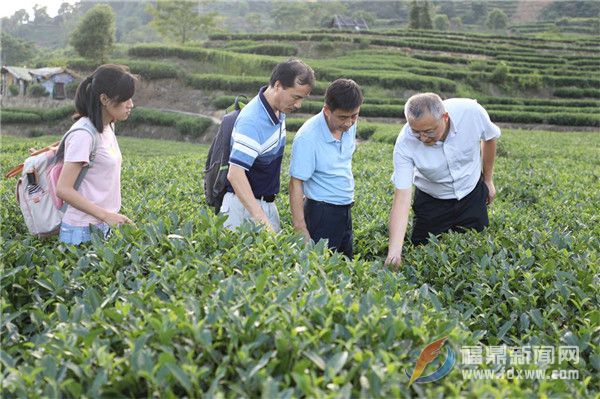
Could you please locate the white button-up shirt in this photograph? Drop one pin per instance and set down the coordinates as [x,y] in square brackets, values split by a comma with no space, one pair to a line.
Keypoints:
[448,169]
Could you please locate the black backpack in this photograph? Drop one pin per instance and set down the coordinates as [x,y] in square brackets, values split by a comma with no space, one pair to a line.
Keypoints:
[217,161]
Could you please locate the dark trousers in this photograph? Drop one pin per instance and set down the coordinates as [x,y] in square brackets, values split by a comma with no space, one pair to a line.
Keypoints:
[331,222]
[436,216]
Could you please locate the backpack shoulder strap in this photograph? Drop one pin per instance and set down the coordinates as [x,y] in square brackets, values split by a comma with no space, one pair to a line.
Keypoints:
[60,153]
[236,102]
[90,129]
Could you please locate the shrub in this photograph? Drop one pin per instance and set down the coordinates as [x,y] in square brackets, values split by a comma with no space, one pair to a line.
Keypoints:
[500,73]
[236,84]
[365,132]
[36,133]
[13,90]
[574,119]
[293,124]
[19,117]
[530,82]
[153,70]
[363,43]
[37,90]
[285,50]
[71,88]
[573,92]
[224,102]
[193,126]
[325,46]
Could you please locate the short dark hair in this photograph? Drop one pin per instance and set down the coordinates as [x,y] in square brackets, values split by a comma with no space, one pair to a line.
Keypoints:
[113,80]
[292,71]
[343,94]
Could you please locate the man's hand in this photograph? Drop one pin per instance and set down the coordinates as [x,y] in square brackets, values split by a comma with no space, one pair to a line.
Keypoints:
[303,231]
[394,259]
[264,222]
[491,190]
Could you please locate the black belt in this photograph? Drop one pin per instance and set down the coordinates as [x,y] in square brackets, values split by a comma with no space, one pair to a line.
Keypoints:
[266,198]
[328,204]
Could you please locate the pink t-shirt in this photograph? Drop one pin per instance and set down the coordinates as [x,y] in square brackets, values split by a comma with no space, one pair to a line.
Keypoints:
[102,183]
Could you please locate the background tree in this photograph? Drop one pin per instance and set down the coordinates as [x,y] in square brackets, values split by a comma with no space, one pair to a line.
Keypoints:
[456,22]
[12,23]
[254,21]
[180,20]
[16,51]
[94,37]
[290,15]
[500,73]
[420,15]
[322,12]
[414,17]
[479,10]
[425,17]
[497,19]
[441,22]
[40,14]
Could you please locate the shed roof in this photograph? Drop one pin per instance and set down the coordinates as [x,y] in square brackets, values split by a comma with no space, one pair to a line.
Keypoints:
[18,72]
[49,71]
[343,22]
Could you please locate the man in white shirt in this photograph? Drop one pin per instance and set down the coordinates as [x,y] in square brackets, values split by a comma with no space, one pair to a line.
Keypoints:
[441,150]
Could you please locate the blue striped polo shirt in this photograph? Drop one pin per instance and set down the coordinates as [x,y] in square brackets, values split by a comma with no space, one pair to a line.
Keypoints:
[257,145]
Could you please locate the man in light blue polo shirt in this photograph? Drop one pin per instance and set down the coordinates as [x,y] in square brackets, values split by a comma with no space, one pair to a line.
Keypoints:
[447,150]
[257,144]
[321,180]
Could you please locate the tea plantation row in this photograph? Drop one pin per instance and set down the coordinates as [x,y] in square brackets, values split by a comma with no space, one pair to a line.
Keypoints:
[177,306]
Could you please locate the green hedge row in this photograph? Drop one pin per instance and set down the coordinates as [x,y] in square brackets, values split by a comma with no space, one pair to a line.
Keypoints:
[389,80]
[35,115]
[573,92]
[540,108]
[556,118]
[185,124]
[237,84]
[511,112]
[9,116]
[229,61]
[224,102]
[538,102]
[369,110]
[146,69]
[285,50]
[365,130]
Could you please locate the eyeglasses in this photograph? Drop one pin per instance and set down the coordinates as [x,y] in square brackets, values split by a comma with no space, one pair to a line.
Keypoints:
[430,134]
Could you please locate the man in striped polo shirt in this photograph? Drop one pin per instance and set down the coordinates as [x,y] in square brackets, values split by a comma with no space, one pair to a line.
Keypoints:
[257,145]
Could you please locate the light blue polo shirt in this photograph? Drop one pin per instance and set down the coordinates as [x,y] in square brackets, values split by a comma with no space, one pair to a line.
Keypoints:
[324,163]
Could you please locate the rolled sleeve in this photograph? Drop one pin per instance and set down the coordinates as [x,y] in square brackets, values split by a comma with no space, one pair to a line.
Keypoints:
[78,146]
[303,160]
[489,129]
[403,171]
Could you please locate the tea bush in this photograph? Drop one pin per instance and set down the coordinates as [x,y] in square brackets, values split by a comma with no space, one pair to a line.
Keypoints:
[179,306]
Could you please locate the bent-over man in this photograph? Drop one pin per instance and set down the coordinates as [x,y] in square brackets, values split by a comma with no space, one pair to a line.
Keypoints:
[447,149]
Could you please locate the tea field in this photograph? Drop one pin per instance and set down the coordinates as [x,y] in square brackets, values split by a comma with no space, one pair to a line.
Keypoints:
[176,306]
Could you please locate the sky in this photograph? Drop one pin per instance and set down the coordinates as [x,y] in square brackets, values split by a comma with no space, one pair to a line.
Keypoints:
[9,7]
